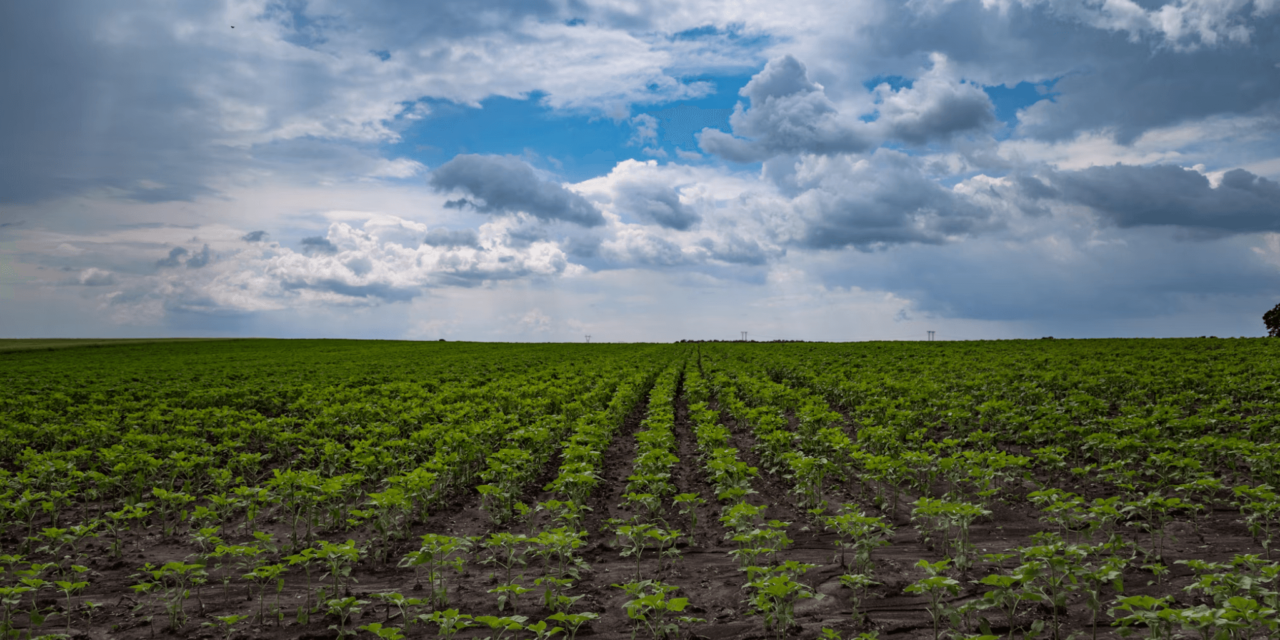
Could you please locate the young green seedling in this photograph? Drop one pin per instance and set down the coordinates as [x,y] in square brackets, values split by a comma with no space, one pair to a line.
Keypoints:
[245,558]
[936,587]
[227,623]
[554,589]
[70,588]
[172,507]
[449,621]
[1261,508]
[632,538]
[264,576]
[774,593]
[857,584]
[951,520]
[343,609]
[1057,564]
[507,550]
[1095,577]
[651,607]
[543,631]
[305,559]
[740,518]
[391,509]
[687,504]
[118,522]
[572,620]
[509,593]
[206,539]
[1009,591]
[649,504]
[568,513]
[383,632]
[502,625]
[1153,613]
[173,579]
[665,542]
[393,599]
[11,599]
[438,553]
[1157,511]
[861,534]
[1158,570]
[339,559]
[557,549]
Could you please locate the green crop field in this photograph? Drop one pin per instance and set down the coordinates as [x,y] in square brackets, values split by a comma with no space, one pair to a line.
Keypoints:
[281,489]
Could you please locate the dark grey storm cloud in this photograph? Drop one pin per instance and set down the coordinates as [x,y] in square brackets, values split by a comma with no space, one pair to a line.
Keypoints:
[737,250]
[1133,196]
[935,107]
[380,290]
[504,184]
[789,114]
[886,202]
[401,24]
[526,233]
[1170,87]
[1034,188]
[80,112]
[1125,82]
[656,202]
[200,259]
[583,247]
[1149,275]
[119,96]
[318,244]
[655,251]
[174,259]
[441,237]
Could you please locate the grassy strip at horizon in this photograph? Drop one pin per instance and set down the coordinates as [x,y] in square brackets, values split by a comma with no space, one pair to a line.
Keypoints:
[8,345]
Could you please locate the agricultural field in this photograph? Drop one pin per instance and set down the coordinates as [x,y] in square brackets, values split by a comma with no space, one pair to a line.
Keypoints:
[323,489]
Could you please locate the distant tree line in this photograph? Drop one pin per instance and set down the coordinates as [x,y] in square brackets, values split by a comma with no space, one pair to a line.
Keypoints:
[759,341]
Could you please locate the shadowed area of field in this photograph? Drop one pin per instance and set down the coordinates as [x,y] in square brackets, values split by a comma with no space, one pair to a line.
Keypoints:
[49,344]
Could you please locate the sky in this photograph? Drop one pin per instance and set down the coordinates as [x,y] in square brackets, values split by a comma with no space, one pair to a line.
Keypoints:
[548,170]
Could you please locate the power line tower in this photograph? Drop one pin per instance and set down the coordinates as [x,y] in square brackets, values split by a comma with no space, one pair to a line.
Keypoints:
[588,338]
[930,336]
[744,336]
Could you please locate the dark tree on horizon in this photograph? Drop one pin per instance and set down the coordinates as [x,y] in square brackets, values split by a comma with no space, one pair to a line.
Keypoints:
[1272,320]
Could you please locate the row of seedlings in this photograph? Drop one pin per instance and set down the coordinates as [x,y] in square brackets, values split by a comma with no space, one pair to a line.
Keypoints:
[759,542]
[462,456]
[652,604]
[333,497]
[806,458]
[1235,597]
[553,551]
[943,521]
[549,553]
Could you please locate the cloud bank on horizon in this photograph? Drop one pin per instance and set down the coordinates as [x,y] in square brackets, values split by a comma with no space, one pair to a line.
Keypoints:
[640,171]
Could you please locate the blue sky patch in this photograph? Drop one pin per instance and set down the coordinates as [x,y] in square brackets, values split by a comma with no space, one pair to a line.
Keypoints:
[1008,100]
[576,146]
[897,83]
